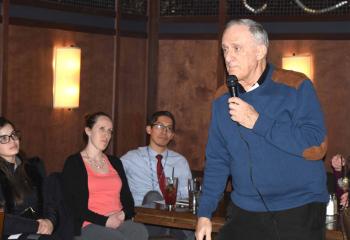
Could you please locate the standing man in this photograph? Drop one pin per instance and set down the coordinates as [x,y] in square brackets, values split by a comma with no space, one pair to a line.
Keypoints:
[271,139]
[144,165]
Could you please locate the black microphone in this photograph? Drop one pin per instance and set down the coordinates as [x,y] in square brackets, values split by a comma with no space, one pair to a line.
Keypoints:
[231,83]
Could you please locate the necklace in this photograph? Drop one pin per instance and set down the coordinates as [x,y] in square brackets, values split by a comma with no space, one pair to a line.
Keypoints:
[94,162]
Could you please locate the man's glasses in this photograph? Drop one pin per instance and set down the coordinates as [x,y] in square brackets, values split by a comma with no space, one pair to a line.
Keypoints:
[162,127]
[15,135]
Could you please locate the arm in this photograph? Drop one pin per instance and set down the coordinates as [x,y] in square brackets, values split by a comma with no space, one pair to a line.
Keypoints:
[125,194]
[217,167]
[305,134]
[184,173]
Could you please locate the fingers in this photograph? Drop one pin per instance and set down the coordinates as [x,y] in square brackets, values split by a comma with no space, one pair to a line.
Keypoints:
[45,226]
[344,199]
[113,221]
[242,112]
[203,229]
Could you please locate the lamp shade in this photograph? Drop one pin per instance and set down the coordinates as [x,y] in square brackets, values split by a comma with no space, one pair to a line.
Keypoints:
[299,64]
[66,86]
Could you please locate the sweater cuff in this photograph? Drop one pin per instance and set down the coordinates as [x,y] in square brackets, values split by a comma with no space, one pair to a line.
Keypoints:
[262,125]
[206,208]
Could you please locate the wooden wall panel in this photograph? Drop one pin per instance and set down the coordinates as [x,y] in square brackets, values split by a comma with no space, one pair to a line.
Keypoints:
[187,80]
[50,133]
[186,85]
[132,99]
[331,61]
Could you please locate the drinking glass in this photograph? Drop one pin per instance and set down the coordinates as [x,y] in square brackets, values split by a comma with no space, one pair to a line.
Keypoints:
[194,190]
[171,184]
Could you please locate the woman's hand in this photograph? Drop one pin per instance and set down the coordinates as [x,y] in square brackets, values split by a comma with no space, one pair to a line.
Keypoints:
[344,199]
[45,226]
[115,219]
[337,162]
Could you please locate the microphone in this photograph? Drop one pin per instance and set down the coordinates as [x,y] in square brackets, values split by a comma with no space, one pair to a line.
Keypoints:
[231,83]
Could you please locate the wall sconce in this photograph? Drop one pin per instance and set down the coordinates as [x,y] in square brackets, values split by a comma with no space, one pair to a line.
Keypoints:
[66,86]
[302,63]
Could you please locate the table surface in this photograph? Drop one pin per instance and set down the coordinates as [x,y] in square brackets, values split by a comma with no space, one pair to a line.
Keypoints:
[181,217]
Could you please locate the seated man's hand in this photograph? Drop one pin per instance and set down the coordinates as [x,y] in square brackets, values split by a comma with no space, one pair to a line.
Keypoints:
[45,226]
[203,229]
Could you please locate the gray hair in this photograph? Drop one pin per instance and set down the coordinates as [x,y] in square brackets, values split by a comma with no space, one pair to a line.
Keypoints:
[255,28]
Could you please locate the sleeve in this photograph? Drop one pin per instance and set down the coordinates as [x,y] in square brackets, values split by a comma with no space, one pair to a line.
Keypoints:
[216,168]
[14,224]
[125,193]
[125,159]
[76,193]
[305,134]
[185,174]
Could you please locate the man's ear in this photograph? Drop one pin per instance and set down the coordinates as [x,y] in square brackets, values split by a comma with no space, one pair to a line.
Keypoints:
[148,129]
[261,52]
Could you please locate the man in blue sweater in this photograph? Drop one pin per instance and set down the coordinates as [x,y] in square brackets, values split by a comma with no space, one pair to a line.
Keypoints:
[271,139]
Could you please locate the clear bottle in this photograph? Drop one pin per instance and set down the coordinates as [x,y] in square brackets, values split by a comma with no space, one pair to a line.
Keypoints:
[335,204]
[330,206]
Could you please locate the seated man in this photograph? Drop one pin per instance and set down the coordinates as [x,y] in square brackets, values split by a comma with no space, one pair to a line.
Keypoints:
[144,167]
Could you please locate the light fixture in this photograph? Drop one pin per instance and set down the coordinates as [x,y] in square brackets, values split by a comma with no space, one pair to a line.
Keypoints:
[300,4]
[298,63]
[66,77]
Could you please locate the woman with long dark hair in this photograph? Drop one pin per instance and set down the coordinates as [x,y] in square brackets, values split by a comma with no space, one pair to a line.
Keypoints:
[96,189]
[21,183]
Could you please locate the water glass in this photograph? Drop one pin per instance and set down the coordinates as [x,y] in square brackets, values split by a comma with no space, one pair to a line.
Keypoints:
[194,190]
[171,184]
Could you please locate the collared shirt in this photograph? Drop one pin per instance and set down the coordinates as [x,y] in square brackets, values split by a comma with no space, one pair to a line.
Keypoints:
[141,170]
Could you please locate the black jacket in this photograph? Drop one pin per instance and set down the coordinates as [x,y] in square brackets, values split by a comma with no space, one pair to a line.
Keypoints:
[75,189]
[16,218]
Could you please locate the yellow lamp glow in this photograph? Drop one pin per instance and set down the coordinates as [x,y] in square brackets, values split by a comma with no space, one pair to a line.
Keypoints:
[66,77]
[299,64]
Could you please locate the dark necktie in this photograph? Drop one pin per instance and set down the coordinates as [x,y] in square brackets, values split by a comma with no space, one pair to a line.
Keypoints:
[160,174]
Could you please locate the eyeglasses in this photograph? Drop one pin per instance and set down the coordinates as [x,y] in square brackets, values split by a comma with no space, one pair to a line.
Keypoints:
[162,127]
[15,135]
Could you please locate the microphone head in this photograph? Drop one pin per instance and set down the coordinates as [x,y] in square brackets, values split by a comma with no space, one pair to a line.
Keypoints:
[231,81]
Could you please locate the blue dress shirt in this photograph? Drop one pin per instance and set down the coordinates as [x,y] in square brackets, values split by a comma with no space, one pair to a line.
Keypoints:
[141,171]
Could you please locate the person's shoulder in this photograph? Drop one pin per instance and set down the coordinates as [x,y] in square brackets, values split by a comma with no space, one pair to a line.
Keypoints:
[174,154]
[134,154]
[113,159]
[73,159]
[288,77]
[74,156]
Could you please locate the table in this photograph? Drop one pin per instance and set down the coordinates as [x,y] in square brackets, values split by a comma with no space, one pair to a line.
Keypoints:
[179,218]
[156,214]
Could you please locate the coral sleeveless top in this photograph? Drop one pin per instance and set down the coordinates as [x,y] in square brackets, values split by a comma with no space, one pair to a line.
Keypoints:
[104,191]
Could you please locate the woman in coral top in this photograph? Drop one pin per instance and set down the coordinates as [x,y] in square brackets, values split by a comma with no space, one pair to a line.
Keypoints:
[96,190]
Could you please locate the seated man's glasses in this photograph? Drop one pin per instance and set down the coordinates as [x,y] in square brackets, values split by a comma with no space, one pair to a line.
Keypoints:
[15,135]
[162,127]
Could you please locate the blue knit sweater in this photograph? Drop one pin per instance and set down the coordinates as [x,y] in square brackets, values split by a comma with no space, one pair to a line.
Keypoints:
[281,155]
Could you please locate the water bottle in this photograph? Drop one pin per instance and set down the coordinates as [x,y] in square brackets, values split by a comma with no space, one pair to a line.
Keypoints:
[335,204]
[330,206]
[331,211]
